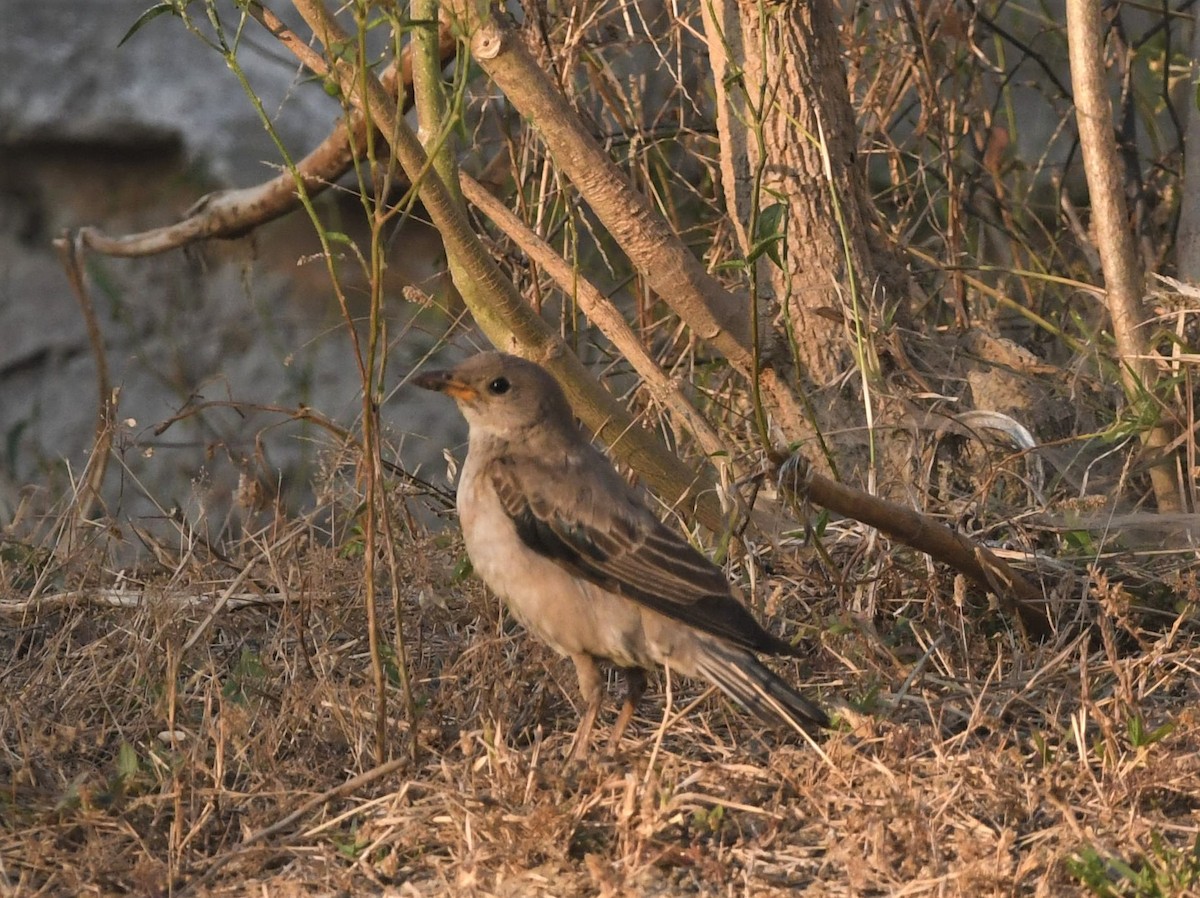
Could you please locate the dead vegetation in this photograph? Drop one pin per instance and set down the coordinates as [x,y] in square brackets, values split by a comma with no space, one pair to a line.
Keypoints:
[982,765]
[204,722]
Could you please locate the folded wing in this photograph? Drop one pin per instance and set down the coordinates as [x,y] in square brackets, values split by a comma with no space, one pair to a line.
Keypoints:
[597,528]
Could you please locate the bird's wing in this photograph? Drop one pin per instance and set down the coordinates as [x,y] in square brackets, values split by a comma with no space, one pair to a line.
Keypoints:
[584,517]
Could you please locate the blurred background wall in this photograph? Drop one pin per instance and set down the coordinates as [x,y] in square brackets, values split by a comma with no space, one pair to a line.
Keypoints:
[126,138]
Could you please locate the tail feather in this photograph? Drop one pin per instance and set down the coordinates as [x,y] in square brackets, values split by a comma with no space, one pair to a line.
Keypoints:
[754,686]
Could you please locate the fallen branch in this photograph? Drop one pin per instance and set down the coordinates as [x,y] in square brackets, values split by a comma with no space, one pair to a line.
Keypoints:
[121,597]
[1016,595]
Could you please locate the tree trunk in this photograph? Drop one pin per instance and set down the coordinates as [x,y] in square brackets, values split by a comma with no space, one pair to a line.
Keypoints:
[788,135]
[1124,280]
[1187,248]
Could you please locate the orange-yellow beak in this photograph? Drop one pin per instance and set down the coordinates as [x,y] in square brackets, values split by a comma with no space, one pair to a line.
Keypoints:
[445,382]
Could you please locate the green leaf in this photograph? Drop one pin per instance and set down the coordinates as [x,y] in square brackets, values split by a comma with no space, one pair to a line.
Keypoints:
[127,761]
[1140,737]
[1045,752]
[1080,541]
[819,525]
[771,221]
[152,13]
[769,231]
[462,570]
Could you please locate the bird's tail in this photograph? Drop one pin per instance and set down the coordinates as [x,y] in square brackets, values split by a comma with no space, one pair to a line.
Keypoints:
[755,687]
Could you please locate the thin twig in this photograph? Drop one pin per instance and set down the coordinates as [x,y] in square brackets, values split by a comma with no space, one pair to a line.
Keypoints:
[70,252]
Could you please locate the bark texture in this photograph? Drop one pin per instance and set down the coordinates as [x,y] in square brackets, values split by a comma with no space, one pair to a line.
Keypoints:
[1124,278]
[1187,250]
[788,135]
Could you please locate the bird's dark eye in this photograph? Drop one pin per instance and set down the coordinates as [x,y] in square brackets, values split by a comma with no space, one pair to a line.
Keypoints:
[499,386]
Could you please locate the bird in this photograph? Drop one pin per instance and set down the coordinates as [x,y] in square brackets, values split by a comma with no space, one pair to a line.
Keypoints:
[582,562]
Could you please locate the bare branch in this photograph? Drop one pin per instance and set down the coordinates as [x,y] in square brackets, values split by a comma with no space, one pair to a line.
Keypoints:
[668,266]
[227,214]
[496,304]
[604,315]
[1123,275]
[70,253]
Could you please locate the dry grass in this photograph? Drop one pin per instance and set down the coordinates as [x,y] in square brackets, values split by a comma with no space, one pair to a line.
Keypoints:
[183,743]
[982,767]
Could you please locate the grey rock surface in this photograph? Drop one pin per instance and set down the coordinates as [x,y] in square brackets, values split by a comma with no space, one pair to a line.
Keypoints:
[67,81]
[126,139]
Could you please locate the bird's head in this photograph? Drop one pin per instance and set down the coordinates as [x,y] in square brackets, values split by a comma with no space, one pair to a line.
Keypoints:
[502,394]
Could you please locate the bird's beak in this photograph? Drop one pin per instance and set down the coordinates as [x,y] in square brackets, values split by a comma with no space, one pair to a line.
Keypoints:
[446,382]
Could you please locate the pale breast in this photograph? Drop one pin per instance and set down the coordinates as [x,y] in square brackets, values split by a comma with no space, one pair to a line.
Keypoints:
[568,614]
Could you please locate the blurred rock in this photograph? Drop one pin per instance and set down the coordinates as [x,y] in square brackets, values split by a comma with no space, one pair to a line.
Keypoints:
[68,82]
[126,139]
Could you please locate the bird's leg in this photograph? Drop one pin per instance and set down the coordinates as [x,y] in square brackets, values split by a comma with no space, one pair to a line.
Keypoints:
[591,686]
[635,686]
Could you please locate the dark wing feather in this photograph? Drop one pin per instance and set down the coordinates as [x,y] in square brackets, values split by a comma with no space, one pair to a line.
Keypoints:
[604,535]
